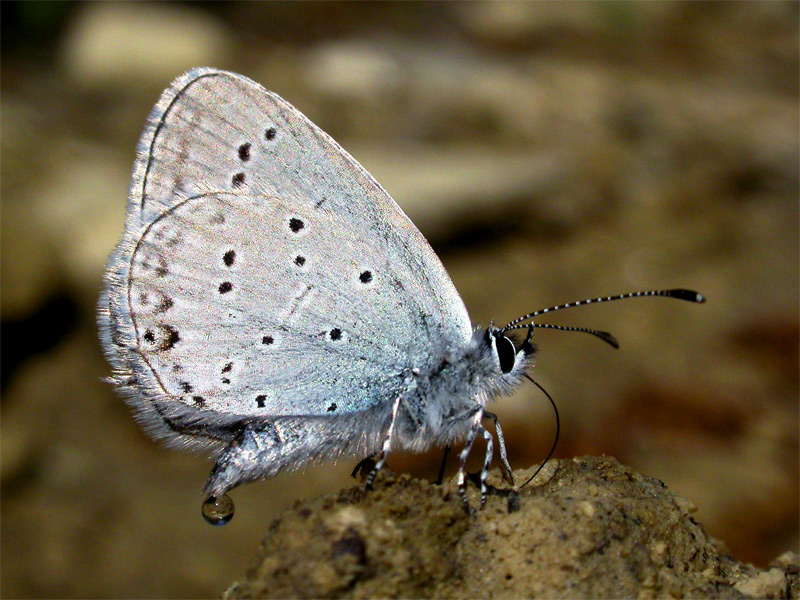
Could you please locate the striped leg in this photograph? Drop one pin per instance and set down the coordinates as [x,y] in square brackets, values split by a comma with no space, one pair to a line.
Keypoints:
[387,443]
[507,472]
[462,468]
[486,463]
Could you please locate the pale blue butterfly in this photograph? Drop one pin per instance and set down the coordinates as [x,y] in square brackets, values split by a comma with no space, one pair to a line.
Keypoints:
[270,300]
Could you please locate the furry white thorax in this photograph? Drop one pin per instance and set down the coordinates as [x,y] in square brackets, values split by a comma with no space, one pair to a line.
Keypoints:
[440,406]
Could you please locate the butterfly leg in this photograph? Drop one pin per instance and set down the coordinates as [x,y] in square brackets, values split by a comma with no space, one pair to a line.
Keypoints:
[387,443]
[462,468]
[440,478]
[507,472]
[362,465]
[486,463]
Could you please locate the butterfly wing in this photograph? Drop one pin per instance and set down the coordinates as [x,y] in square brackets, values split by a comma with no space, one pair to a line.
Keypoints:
[263,271]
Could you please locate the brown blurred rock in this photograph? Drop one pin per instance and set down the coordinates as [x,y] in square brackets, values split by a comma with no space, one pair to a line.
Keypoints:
[126,44]
[594,529]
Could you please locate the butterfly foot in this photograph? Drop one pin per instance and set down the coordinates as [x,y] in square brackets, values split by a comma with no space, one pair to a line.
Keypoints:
[462,491]
[508,475]
[464,501]
[364,467]
[368,484]
[370,480]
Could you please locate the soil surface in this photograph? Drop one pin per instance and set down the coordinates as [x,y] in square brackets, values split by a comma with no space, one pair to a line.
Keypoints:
[587,528]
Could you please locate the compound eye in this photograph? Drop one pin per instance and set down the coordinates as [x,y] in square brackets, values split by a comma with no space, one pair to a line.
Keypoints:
[506,353]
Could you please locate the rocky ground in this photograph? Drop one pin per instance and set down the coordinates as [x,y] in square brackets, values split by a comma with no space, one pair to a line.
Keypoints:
[586,528]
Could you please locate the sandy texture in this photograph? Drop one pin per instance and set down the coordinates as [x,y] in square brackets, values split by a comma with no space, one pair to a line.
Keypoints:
[590,527]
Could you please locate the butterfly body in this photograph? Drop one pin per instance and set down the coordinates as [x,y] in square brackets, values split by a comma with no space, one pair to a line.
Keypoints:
[270,301]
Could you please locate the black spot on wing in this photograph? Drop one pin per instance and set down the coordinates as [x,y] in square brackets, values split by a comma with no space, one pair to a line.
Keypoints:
[171,336]
[165,304]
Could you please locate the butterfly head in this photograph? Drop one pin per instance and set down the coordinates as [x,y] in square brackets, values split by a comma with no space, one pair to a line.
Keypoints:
[512,354]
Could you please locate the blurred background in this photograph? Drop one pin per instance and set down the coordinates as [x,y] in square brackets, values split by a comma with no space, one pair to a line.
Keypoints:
[550,152]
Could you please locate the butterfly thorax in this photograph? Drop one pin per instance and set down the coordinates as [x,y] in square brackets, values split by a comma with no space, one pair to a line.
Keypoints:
[442,399]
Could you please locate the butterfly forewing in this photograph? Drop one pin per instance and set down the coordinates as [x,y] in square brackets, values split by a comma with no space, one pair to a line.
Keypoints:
[263,271]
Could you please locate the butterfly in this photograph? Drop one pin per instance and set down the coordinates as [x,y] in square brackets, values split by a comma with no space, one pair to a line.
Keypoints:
[271,302]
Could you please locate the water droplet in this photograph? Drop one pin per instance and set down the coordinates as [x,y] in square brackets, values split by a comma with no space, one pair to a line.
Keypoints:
[218,511]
